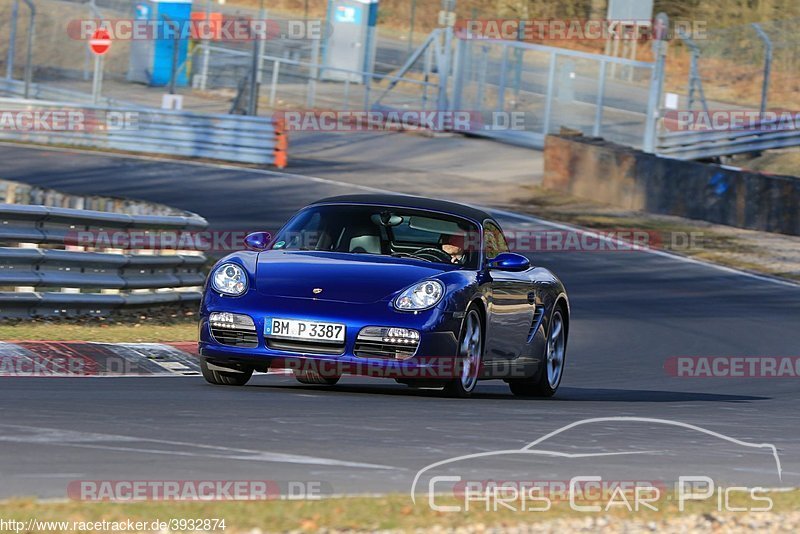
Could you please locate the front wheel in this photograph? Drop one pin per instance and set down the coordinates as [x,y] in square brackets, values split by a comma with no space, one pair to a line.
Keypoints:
[546,382]
[470,354]
[224,378]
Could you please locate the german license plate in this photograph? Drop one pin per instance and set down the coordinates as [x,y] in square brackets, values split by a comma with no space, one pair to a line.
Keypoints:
[304,330]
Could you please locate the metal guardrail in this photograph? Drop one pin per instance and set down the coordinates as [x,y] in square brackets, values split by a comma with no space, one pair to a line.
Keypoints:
[708,144]
[90,282]
[257,140]
[40,91]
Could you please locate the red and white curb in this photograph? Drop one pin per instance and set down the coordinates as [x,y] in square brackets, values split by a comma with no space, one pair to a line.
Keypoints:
[85,359]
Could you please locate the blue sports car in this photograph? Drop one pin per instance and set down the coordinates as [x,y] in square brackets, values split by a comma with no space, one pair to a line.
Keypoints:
[422,291]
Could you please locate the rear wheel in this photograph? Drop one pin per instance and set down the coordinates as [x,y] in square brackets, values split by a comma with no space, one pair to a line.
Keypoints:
[315,378]
[470,354]
[546,382]
[224,378]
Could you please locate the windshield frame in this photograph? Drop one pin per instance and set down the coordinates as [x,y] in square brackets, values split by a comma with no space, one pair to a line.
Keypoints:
[422,211]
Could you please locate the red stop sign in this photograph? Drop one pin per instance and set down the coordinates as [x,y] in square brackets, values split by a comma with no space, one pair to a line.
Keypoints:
[100,42]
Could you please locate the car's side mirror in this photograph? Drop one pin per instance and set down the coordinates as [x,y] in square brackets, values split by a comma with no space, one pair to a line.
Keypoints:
[509,261]
[257,241]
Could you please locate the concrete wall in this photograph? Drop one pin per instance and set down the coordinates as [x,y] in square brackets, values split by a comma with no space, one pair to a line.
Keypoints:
[620,176]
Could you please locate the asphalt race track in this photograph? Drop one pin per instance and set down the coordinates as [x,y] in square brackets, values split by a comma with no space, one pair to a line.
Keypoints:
[631,312]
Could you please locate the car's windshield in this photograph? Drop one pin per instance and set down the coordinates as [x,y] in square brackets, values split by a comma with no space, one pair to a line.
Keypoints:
[398,232]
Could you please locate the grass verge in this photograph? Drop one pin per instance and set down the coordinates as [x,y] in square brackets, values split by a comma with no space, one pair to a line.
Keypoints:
[100,333]
[394,512]
[120,327]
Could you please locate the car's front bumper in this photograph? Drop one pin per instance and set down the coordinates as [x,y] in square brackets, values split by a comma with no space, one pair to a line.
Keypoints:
[435,357]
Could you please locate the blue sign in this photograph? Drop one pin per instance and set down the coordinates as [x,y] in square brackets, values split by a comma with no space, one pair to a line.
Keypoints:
[347,14]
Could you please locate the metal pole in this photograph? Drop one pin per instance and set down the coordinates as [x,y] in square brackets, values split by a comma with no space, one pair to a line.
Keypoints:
[767,66]
[601,93]
[661,25]
[411,26]
[653,103]
[551,80]
[175,49]
[252,104]
[206,50]
[276,67]
[97,81]
[444,69]
[261,46]
[311,91]
[501,88]
[29,52]
[12,40]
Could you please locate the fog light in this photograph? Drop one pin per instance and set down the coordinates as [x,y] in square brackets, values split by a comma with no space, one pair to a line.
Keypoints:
[233,321]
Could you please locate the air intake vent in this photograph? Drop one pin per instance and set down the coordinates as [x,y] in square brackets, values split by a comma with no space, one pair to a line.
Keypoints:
[538,314]
[376,349]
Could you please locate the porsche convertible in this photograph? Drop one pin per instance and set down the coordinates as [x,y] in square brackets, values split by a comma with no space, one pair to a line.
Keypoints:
[425,292]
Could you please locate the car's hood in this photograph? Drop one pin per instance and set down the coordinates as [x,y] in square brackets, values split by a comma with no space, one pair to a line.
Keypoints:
[356,278]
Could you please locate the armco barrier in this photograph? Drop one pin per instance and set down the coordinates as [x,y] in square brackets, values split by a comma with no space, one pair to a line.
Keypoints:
[631,179]
[174,133]
[90,282]
[710,144]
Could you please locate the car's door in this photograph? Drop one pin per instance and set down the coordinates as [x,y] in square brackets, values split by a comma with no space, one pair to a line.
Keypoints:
[511,301]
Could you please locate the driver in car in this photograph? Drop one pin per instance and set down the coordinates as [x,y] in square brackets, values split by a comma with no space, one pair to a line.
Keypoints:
[454,246]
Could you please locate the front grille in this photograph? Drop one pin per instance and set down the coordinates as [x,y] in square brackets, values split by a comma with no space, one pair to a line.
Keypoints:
[311,347]
[235,337]
[377,349]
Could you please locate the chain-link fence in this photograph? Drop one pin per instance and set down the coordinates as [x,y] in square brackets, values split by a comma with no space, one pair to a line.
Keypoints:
[554,88]
[731,65]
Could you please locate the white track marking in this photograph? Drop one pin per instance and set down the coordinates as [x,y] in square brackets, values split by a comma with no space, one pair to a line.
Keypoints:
[93,440]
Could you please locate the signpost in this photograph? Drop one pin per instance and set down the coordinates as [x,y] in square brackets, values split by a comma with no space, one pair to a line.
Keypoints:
[99,44]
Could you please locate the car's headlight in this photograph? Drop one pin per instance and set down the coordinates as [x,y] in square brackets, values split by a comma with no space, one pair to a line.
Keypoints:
[421,296]
[229,279]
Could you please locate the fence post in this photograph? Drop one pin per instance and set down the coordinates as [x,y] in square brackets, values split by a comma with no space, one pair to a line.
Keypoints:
[206,50]
[276,68]
[458,75]
[767,66]
[601,93]
[501,87]
[29,52]
[444,69]
[548,104]
[12,38]
[654,100]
